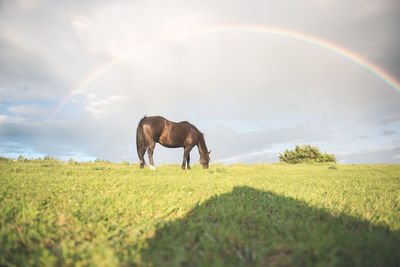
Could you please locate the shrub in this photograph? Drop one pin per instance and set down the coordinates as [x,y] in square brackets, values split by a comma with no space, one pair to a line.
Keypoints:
[49,158]
[305,153]
[4,159]
[72,161]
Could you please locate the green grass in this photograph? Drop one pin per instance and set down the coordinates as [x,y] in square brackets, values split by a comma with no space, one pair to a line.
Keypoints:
[104,214]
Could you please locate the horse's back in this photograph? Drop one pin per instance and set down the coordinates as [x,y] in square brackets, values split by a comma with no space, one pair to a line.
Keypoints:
[153,126]
[152,120]
[182,128]
[178,134]
[186,124]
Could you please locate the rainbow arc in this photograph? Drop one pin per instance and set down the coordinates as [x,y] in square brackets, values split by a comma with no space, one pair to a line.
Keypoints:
[295,35]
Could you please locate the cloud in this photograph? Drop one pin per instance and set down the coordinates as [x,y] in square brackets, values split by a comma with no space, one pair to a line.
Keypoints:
[360,137]
[388,154]
[387,132]
[64,139]
[29,111]
[28,4]
[101,108]
[268,155]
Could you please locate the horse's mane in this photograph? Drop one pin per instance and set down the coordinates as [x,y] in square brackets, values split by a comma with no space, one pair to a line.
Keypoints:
[192,126]
[141,121]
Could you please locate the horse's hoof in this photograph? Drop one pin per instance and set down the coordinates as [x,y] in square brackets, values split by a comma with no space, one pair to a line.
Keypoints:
[152,167]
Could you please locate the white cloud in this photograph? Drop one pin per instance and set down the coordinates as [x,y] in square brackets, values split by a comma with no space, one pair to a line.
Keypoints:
[28,4]
[267,155]
[386,154]
[29,111]
[119,29]
[387,132]
[101,108]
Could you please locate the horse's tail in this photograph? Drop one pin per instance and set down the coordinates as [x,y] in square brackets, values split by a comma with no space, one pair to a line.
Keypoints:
[141,143]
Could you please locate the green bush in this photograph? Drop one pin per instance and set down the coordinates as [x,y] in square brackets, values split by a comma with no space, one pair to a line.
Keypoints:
[50,158]
[4,159]
[71,161]
[305,153]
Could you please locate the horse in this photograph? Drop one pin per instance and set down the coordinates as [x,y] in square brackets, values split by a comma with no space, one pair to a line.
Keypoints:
[156,129]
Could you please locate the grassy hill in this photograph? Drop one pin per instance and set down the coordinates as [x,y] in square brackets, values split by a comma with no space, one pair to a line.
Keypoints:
[105,214]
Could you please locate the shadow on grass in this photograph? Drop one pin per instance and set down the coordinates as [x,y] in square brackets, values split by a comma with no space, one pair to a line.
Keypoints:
[253,227]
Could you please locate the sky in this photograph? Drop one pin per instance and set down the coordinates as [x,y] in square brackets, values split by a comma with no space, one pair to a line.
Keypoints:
[255,77]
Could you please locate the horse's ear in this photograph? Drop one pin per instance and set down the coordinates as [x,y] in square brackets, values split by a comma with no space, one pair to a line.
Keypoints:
[209,152]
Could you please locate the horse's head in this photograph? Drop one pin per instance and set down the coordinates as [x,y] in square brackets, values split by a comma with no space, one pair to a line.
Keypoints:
[205,159]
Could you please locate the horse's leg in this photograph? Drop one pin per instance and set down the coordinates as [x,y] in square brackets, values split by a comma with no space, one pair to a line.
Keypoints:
[186,157]
[141,157]
[150,151]
[188,161]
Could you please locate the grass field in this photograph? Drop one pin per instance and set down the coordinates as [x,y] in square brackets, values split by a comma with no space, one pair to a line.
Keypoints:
[55,213]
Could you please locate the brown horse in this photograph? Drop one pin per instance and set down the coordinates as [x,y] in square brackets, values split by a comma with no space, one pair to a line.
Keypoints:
[156,129]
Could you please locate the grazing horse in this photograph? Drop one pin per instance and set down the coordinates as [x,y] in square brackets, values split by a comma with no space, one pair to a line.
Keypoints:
[156,129]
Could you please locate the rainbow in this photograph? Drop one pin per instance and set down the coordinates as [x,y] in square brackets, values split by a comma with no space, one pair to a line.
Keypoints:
[259,29]
[96,74]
